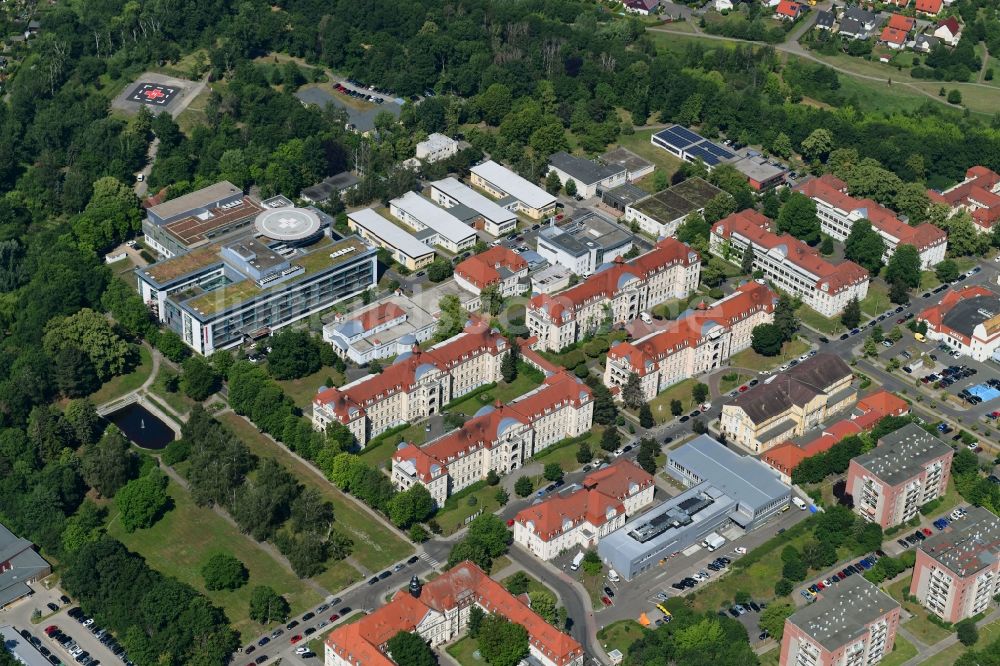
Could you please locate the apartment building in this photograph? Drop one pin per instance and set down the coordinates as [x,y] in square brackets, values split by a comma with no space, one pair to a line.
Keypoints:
[957,571]
[614,295]
[838,211]
[979,194]
[415,386]
[514,192]
[498,438]
[789,404]
[852,623]
[789,263]
[499,266]
[438,612]
[582,517]
[697,341]
[909,468]
[968,320]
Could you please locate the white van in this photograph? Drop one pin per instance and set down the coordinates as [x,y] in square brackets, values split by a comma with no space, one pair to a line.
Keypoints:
[576,561]
[613,576]
[646,317]
[799,503]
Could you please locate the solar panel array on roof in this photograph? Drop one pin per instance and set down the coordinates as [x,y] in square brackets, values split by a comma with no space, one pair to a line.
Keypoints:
[673,137]
[687,134]
[704,154]
[717,150]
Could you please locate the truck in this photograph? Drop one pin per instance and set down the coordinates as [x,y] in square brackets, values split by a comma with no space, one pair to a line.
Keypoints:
[713,541]
[799,503]
[576,561]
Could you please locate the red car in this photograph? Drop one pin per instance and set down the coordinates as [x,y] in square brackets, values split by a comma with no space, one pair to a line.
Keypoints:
[606,601]
[510,523]
[334,617]
[927,532]
[296,638]
[49,629]
[743,388]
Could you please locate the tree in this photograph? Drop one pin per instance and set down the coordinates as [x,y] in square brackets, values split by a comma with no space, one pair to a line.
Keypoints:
[508,367]
[502,496]
[826,245]
[699,392]
[200,379]
[785,318]
[518,583]
[676,407]
[267,606]
[552,472]
[798,218]
[312,512]
[647,454]
[912,201]
[772,619]
[782,145]
[418,533]
[409,649]
[583,453]
[947,270]
[142,501]
[544,604]
[864,246]
[82,417]
[570,187]
[109,464]
[501,642]
[967,632]
[605,410]
[552,183]
[720,206]
[817,145]
[91,333]
[646,416]
[954,96]
[112,214]
[294,353]
[222,571]
[439,270]
[746,264]
[766,340]
[74,373]
[492,478]
[492,299]
[523,486]
[851,316]
[904,266]
[610,439]
[898,293]
[783,587]
[632,394]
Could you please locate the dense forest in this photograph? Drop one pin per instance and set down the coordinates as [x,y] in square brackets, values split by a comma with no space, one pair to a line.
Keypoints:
[519,75]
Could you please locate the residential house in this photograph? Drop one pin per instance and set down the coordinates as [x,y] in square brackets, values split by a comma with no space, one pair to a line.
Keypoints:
[825,20]
[697,341]
[925,43]
[949,31]
[789,10]
[857,23]
[896,32]
[20,565]
[929,7]
[723,5]
[641,7]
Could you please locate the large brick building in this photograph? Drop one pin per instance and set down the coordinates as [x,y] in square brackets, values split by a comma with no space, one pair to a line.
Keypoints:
[697,341]
[907,469]
[852,623]
[581,518]
[498,438]
[968,320]
[439,613]
[415,386]
[979,194]
[789,404]
[788,263]
[957,571]
[614,295]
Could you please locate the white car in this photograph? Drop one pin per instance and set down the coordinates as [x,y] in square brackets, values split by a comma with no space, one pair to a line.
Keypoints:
[957,513]
[740,549]
[301,650]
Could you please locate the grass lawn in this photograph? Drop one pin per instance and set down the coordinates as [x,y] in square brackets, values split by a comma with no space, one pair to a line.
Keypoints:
[595,587]
[375,547]
[925,631]
[301,391]
[945,657]
[639,144]
[123,384]
[660,405]
[534,585]
[453,519]
[565,455]
[177,401]
[194,114]
[902,651]
[928,280]
[379,454]
[620,635]
[188,535]
[877,300]
[462,650]
[504,392]
[726,384]
[771,657]
[813,319]
[316,644]
[751,360]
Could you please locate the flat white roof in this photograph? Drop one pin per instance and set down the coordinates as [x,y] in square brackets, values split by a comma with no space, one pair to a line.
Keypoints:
[508,181]
[379,226]
[435,217]
[468,197]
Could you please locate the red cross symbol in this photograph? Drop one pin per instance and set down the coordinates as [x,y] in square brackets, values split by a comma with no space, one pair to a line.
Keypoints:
[155,93]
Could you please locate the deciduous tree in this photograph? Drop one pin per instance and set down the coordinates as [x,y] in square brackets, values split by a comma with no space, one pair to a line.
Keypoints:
[141,502]
[110,463]
[222,571]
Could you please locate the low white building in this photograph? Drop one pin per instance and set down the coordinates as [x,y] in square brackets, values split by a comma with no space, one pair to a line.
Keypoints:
[661,214]
[515,193]
[590,177]
[450,192]
[550,280]
[581,518]
[436,147]
[449,232]
[584,243]
[387,329]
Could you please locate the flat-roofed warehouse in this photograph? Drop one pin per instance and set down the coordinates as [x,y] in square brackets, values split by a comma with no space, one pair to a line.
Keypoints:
[404,247]
[661,214]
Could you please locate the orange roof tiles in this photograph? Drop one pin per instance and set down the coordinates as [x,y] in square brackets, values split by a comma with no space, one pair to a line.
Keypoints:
[934,315]
[620,479]
[929,6]
[893,36]
[975,192]
[382,314]
[559,513]
[788,8]
[481,269]
[607,283]
[749,224]
[900,22]
[361,643]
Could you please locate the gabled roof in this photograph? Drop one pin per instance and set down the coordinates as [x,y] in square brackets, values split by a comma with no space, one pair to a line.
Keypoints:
[788,8]
[825,19]
[961,311]
[892,36]
[621,479]
[796,386]
[953,26]
[561,513]
[582,170]
[929,6]
[900,22]
[483,269]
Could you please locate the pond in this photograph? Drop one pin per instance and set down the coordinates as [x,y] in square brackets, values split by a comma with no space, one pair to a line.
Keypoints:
[142,427]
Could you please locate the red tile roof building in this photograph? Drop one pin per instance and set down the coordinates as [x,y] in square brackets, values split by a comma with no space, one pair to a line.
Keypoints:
[415,386]
[789,263]
[966,319]
[784,458]
[581,518]
[498,438]
[979,194]
[949,31]
[788,10]
[932,7]
[439,613]
[696,342]
[838,211]
[499,266]
[623,290]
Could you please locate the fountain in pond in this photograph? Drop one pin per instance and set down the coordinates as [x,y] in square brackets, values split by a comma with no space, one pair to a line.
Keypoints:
[142,427]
